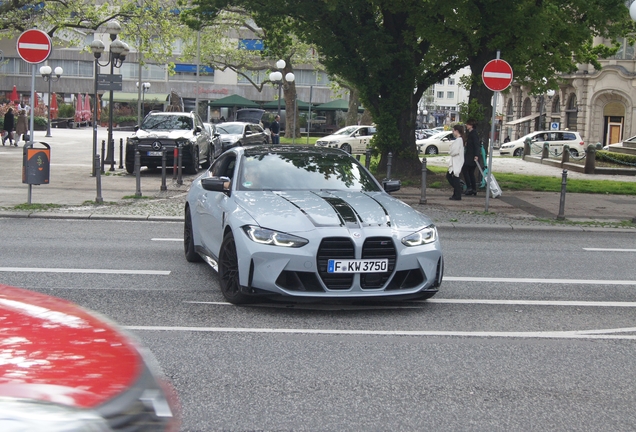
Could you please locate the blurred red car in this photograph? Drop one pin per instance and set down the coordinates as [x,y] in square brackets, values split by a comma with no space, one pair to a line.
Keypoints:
[63,368]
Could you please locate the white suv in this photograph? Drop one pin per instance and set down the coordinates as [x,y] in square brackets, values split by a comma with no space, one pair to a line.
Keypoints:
[352,139]
[556,139]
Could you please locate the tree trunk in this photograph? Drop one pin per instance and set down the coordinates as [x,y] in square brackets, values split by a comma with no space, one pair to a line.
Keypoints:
[292,127]
[354,103]
[481,93]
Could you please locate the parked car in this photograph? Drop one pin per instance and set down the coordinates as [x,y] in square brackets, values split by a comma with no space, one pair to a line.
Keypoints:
[308,222]
[166,130]
[64,368]
[235,134]
[438,143]
[556,140]
[352,139]
[215,140]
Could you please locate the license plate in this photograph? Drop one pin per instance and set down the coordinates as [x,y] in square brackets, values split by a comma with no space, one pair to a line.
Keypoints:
[358,266]
[155,153]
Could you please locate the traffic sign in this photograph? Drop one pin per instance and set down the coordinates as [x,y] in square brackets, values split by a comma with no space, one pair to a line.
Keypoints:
[109,82]
[34,46]
[497,75]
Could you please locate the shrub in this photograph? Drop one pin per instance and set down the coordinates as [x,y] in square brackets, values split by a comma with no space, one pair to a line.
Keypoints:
[119,119]
[39,123]
[65,111]
[621,158]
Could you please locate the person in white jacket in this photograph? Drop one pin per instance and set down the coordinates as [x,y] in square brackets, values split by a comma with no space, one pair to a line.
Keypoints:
[456,162]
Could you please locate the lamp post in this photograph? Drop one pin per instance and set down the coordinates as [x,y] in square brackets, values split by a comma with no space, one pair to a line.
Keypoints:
[117,54]
[145,86]
[47,74]
[277,78]
[425,114]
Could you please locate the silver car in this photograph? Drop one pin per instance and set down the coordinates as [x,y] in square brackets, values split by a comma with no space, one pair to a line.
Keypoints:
[308,222]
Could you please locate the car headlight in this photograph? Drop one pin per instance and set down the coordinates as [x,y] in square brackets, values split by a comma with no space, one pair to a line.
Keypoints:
[30,415]
[421,237]
[183,141]
[274,238]
[333,142]
[507,145]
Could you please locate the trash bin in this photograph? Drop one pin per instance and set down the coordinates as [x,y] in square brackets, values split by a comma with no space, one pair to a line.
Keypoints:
[36,164]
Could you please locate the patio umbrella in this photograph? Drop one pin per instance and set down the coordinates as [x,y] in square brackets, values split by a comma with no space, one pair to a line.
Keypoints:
[53,106]
[78,108]
[14,95]
[87,107]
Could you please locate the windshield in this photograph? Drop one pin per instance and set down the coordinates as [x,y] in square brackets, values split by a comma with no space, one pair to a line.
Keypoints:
[167,122]
[346,131]
[304,171]
[230,129]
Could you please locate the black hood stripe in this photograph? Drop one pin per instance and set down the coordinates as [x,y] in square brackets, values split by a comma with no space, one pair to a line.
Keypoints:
[345,212]
[316,224]
[388,217]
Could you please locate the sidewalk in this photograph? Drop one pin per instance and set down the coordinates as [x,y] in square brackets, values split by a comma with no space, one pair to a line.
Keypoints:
[72,187]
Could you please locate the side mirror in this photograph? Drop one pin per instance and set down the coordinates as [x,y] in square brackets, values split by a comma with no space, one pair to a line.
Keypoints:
[216,134]
[216,184]
[248,132]
[197,129]
[391,185]
[136,128]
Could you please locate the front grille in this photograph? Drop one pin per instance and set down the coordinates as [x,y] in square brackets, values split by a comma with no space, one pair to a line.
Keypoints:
[375,248]
[335,248]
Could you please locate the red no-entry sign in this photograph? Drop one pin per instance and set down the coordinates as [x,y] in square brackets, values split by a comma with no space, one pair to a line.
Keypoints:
[497,75]
[34,46]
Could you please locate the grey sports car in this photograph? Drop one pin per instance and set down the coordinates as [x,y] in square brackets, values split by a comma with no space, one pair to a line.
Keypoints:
[308,222]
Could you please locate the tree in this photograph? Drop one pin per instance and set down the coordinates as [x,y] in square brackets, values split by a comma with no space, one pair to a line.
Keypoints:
[383,48]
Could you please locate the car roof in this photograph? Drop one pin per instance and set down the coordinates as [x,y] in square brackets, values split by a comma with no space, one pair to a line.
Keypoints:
[286,149]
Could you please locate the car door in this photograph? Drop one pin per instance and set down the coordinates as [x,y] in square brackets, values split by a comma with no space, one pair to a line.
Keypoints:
[211,207]
[361,141]
[445,142]
[203,139]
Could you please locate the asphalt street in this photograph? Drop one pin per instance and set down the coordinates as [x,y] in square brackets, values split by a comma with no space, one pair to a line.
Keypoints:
[531,330]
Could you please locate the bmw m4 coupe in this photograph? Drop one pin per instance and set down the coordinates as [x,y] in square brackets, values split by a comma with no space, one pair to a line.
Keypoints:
[308,222]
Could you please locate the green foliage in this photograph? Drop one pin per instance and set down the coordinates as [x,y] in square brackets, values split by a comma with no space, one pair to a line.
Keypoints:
[607,156]
[39,123]
[472,110]
[125,119]
[65,110]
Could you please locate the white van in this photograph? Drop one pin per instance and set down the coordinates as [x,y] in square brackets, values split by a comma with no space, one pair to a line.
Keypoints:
[557,139]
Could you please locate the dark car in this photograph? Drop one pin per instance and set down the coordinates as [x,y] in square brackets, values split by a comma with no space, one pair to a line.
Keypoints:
[237,134]
[166,130]
[63,368]
[215,140]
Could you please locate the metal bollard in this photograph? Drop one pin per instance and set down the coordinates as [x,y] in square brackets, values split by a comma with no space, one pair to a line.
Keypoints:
[527,147]
[423,184]
[138,172]
[179,165]
[103,153]
[98,180]
[590,160]
[565,156]
[175,158]
[388,166]
[121,153]
[564,182]
[164,159]
[112,162]
[367,160]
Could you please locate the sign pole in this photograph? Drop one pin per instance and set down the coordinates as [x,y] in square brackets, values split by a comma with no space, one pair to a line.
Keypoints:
[491,142]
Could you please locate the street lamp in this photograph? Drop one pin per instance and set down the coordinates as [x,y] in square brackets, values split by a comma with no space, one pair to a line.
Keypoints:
[277,78]
[145,86]
[117,54]
[425,114]
[46,73]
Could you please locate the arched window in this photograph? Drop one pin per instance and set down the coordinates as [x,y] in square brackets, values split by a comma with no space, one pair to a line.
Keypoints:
[571,113]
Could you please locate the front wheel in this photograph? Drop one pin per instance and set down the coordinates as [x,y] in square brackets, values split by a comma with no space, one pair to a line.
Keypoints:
[188,239]
[346,147]
[229,272]
[574,153]
[130,168]
[518,152]
[431,150]
[193,167]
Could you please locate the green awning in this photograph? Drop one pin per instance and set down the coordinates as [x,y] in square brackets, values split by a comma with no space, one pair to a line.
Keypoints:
[133,97]
[234,101]
[335,105]
[302,105]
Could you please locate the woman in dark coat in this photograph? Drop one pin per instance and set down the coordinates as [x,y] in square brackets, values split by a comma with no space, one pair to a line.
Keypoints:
[9,125]
[471,156]
[22,126]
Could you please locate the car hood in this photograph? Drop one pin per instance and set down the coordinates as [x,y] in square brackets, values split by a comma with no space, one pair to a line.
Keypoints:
[165,134]
[53,350]
[298,211]
[334,137]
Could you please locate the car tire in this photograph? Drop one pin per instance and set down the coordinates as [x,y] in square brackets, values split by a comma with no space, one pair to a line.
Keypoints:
[431,150]
[574,153]
[518,152]
[229,272]
[346,147]
[130,168]
[188,239]
[193,166]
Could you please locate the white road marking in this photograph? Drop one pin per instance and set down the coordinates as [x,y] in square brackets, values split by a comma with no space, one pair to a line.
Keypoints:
[539,281]
[71,270]
[608,250]
[576,334]
[167,239]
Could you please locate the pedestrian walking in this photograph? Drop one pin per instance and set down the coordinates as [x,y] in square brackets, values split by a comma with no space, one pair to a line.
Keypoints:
[274,127]
[9,125]
[471,157]
[456,162]
[21,127]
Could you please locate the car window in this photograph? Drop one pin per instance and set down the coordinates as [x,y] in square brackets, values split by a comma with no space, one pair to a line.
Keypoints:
[224,166]
[257,129]
[167,122]
[303,171]
[569,136]
[346,131]
[231,129]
